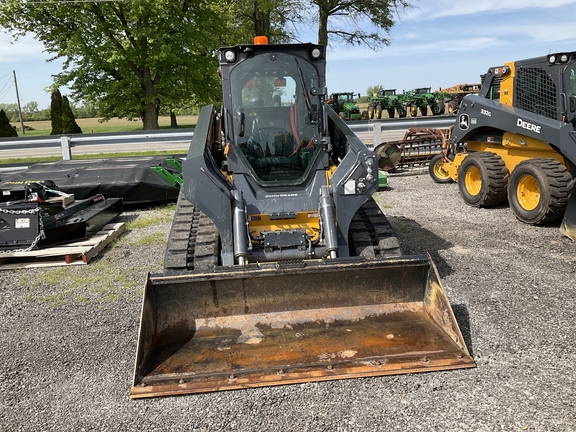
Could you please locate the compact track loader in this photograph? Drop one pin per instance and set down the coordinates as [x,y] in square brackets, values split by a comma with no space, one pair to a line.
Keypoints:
[516,140]
[280,268]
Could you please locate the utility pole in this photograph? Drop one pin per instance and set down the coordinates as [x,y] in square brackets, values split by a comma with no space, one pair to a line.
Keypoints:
[19,107]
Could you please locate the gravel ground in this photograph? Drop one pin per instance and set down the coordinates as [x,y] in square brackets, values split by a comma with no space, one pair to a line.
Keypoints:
[68,336]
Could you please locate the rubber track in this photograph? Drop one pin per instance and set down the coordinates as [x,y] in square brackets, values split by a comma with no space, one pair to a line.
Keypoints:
[193,239]
[192,242]
[371,235]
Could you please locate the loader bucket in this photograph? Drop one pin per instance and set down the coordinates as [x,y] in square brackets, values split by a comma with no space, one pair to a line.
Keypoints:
[272,324]
[568,225]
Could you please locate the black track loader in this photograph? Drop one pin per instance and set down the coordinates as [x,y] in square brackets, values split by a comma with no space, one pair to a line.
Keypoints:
[280,267]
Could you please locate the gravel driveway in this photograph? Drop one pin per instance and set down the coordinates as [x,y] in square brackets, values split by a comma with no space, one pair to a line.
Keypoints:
[68,336]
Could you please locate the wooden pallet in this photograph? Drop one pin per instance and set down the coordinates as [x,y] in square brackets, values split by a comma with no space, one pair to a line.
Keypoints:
[76,253]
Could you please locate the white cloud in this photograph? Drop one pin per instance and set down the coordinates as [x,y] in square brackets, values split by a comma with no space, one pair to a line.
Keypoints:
[444,8]
[24,49]
[412,49]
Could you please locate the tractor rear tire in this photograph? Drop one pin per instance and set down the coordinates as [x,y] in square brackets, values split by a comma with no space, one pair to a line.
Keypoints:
[539,191]
[378,111]
[441,107]
[391,112]
[413,110]
[370,112]
[424,110]
[438,174]
[483,179]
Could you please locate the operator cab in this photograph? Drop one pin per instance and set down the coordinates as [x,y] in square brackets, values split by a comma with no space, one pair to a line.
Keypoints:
[276,114]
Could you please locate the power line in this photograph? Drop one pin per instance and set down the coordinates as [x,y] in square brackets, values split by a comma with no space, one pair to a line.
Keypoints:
[4,90]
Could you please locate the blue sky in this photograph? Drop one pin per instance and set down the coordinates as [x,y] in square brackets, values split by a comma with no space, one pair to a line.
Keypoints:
[437,44]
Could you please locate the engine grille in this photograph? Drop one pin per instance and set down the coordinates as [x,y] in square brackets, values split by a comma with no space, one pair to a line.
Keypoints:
[535,92]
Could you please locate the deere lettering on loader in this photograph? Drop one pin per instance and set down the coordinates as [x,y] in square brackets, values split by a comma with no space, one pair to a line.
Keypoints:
[280,268]
[516,140]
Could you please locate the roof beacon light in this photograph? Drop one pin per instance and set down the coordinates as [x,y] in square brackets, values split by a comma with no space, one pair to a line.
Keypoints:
[261,40]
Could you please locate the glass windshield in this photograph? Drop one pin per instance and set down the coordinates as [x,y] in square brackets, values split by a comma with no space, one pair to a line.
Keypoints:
[273,92]
[570,79]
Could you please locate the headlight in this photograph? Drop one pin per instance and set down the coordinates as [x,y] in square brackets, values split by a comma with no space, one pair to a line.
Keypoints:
[230,56]
[316,53]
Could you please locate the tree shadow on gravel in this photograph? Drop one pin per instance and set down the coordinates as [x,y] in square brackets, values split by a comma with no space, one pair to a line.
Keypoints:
[417,240]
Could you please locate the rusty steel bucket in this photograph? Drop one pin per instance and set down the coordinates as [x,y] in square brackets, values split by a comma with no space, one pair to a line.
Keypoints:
[269,325]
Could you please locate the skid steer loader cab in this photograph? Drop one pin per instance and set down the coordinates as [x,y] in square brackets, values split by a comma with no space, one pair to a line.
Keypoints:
[277,117]
[280,267]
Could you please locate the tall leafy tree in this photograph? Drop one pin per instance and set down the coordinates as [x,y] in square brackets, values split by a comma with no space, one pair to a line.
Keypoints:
[129,57]
[69,124]
[61,115]
[56,112]
[6,129]
[354,22]
[272,18]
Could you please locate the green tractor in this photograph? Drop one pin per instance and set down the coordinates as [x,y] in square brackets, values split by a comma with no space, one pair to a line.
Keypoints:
[386,100]
[345,106]
[422,98]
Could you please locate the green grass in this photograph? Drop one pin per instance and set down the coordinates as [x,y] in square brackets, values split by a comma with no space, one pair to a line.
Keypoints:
[143,221]
[379,198]
[100,282]
[33,160]
[96,125]
[106,279]
[43,128]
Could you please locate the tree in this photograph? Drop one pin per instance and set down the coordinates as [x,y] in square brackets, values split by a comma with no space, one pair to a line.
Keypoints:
[129,57]
[69,124]
[56,112]
[357,14]
[11,111]
[268,18]
[29,109]
[6,129]
[63,121]
[371,91]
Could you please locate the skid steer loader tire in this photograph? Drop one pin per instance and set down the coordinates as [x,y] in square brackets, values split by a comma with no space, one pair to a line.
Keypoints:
[483,179]
[539,191]
[438,174]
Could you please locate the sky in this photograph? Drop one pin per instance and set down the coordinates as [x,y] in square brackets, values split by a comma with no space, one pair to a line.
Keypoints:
[438,43]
